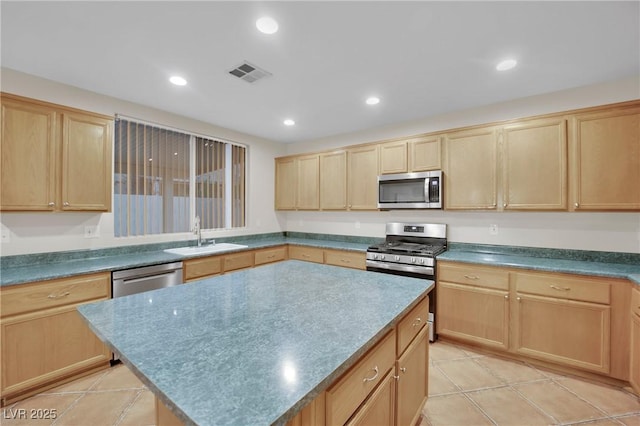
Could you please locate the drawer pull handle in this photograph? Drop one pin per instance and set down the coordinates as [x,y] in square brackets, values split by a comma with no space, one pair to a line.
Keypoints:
[416,322]
[306,255]
[471,277]
[560,288]
[375,376]
[271,256]
[345,261]
[58,296]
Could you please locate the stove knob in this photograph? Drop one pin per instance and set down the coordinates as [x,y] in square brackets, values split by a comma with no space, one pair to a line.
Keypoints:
[397,257]
[422,261]
[381,257]
[413,260]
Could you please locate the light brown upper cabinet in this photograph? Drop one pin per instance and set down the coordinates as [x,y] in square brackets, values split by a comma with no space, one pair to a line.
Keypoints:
[333,180]
[417,154]
[424,153]
[286,183]
[605,159]
[53,158]
[362,172]
[470,175]
[534,157]
[393,157]
[308,192]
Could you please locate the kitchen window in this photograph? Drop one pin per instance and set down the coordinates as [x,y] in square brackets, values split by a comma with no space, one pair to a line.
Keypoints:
[164,178]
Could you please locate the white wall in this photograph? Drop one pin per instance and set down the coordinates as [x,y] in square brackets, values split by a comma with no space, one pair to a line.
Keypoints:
[47,232]
[618,232]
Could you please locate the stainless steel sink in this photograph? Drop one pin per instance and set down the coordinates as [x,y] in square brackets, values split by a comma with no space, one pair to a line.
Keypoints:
[214,248]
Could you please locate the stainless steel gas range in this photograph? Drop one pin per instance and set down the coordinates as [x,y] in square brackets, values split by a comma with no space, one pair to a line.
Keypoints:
[410,249]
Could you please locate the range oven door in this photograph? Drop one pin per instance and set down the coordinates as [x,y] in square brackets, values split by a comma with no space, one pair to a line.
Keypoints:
[432,294]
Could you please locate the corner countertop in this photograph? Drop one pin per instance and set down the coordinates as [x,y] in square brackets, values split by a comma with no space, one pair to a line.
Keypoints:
[113,261]
[571,266]
[253,346]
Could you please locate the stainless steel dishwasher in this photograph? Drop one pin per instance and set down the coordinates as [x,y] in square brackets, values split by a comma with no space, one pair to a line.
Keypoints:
[138,280]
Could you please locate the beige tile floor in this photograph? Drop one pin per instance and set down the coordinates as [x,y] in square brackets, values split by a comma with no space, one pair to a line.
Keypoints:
[466,388]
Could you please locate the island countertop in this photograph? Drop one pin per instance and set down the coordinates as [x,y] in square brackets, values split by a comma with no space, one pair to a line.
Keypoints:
[253,346]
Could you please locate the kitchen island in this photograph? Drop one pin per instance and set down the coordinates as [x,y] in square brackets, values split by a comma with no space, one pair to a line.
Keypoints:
[255,346]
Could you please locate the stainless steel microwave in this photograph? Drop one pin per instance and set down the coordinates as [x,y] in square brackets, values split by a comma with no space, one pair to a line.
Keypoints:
[410,190]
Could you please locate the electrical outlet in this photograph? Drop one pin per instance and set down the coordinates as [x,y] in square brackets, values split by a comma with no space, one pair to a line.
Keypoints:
[91,231]
[5,235]
[493,229]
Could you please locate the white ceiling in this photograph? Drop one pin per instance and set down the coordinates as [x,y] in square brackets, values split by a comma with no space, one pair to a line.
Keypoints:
[421,58]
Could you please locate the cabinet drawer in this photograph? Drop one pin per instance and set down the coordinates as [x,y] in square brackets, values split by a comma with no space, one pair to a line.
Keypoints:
[238,261]
[345,258]
[203,267]
[345,396]
[635,302]
[48,294]
[480,276]
[310,254]
[562,287]
[275,254]
[412,323]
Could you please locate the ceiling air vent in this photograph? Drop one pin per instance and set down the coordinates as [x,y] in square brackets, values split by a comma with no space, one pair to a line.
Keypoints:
[249,73]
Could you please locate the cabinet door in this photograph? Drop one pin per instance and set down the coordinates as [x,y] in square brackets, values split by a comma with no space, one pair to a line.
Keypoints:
[86,162]
[634,373]
[308,195]
[286,184]
[413,375]
[28,156]
[535,165]
[475,314]
[563,331]
[393,157]
[362,172]
[606,160]
[41,347]
[379,409]
[424,154]
[470,170]
[333,181]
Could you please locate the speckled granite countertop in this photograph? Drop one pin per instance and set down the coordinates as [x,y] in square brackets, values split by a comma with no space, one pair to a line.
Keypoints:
[574,266]
[30,268]
[255,346]
[111,260]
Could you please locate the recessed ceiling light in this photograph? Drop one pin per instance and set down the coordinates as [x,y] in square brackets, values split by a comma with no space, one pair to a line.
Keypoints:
[507,64]
[267,25]
[178,81]
[289,122]
[373,100]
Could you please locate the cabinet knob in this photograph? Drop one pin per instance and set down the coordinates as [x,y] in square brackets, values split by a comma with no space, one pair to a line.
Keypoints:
[504,205]
[51,204]
[518,299]
[506,296]
[403,369]
[577,205]
[66,204]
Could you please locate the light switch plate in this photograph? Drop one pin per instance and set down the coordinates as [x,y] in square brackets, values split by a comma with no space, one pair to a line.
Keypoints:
[493,229]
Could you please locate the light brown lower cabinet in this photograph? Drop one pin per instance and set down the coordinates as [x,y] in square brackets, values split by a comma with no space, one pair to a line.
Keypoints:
[45,342]
[379,409]
[473,304]
[634,373]
[413,380]
[559,319]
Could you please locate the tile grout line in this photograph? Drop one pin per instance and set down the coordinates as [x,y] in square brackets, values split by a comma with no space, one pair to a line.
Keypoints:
[583,399]
[128,407]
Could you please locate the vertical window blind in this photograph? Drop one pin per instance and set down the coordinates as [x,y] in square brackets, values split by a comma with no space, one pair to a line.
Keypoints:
[159,186]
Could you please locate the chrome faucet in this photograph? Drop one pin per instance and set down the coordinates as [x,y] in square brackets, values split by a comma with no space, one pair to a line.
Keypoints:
[196,230]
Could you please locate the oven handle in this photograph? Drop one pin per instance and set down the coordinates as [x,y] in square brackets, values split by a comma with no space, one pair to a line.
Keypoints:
[401,268]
